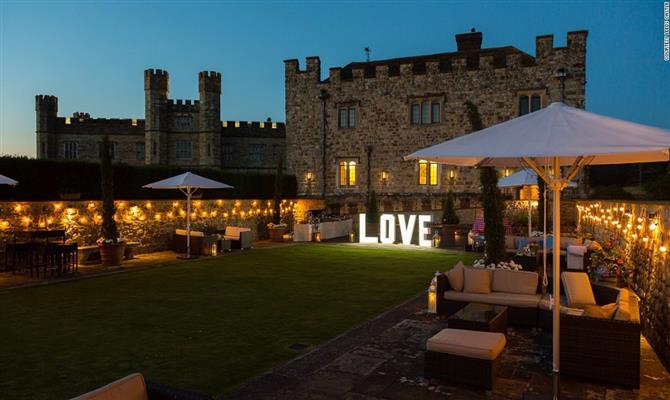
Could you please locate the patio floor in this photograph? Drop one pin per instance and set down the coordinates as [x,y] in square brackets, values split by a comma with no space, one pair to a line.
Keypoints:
[383,359]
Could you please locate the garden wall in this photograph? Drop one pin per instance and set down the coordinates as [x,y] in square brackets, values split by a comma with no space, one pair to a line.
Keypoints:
[149,222]
[643,231]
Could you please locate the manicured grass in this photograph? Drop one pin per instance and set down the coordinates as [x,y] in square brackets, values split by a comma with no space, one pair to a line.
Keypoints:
[208,325]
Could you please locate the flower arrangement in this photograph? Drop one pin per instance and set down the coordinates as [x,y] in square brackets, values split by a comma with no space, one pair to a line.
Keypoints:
[607,260]
[511,265]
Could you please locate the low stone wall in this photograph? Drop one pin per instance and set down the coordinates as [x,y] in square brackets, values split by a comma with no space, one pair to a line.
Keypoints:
[151,223]
[643,230]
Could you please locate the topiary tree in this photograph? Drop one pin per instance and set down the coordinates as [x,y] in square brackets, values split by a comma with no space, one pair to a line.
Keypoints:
[494,230]
[109,231]
[449,216]
[372,213]
[493,204]
[279,177]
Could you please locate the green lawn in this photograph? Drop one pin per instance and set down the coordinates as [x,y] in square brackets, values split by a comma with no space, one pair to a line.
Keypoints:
[208,325]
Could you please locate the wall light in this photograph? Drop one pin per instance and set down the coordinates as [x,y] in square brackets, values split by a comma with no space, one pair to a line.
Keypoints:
[385,177]
[452,174]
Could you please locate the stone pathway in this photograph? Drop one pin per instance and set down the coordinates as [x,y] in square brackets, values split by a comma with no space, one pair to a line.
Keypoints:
[383,360]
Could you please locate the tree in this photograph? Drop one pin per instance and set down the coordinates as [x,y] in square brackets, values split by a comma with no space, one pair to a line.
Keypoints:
[372,213]
[449,216]
[109,230]
[492,200]
[279,177]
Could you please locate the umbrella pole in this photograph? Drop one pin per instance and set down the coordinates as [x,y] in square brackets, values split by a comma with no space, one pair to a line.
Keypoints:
[556,275]
[188,222]
[530,208]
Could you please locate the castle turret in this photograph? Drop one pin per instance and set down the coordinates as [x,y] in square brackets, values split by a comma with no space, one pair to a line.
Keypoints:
[46,112]
[209,140]
[156,89]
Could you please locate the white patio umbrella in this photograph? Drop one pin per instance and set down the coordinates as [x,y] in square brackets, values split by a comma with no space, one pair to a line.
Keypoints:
[188,183]
[7,181]
[525,177]
[550,138]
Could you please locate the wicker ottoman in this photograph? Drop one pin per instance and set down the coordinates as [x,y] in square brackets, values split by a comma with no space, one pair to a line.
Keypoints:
[462,356]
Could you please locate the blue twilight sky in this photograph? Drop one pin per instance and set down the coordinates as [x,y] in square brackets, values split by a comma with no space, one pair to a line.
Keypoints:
[91,54]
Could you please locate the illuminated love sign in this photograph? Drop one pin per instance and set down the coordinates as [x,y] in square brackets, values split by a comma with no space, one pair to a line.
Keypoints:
[387,229]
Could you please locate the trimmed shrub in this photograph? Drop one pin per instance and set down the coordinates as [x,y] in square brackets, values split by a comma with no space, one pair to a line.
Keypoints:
[49,179]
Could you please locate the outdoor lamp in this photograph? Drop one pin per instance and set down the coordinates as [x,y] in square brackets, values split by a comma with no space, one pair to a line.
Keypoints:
[352,237]
[310,177]
[432,295]
[214,249]
[437,239]
[317,236]
[452,174]
[385,177]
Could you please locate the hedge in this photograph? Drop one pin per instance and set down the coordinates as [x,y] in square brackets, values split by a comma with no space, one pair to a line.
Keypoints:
[41,180]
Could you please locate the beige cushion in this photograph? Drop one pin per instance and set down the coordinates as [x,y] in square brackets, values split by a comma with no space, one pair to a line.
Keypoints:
[596,311]
[473,344]
[522,282]
[627,307]
[477,280]
[234,231]
[496,298]
[132,387]
[545,304]
[578,289]
[455,277]
[183,232]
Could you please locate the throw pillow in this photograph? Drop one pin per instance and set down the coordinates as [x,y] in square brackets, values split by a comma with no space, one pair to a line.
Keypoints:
[596,311]
[455,277]
[478,280]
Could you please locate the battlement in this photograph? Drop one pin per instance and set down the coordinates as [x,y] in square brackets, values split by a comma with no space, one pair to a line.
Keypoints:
[209,81]
[253,128]
[156,79]
[46,103]
[82,123]
[180,105]
[469,57]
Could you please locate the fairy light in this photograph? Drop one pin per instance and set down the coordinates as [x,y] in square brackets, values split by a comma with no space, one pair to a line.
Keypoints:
[663,249]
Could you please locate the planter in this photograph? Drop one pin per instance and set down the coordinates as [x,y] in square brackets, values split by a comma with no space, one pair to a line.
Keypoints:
[277,234]
[111,254]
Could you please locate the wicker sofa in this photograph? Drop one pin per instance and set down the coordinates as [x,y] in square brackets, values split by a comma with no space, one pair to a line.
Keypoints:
[595,348]
[134,387]
[201,244]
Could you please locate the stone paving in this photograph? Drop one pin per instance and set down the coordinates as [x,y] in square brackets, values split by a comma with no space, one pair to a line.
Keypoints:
[383,360]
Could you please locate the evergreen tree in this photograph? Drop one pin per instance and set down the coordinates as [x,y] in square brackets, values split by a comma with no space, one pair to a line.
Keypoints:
[109,228]
[372,213]
[449,216]
[279,177]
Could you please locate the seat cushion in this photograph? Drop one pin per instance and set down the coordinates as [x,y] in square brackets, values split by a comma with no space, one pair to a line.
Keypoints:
[472,344]
[604,312]
[235,231]
[477,280]
[496,298]
[132,387]
[455,277]
[510,281]
[578,289]
[627,307]
[183,232]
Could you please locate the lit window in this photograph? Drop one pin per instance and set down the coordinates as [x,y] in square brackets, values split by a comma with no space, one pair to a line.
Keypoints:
[347,117]
[139,151]
[183,149]
[70,150]
[429,173]
[347,173]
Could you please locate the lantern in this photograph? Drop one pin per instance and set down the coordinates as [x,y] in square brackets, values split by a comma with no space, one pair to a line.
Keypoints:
[317,236]
[352,237]
[214,249]
[437,239]
[432,295]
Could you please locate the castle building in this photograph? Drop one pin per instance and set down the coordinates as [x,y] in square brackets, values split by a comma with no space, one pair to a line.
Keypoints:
[346,135]
[174,132]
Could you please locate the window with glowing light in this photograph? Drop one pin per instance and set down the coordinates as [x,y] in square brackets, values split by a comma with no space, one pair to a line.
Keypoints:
[347,173]
[429,173]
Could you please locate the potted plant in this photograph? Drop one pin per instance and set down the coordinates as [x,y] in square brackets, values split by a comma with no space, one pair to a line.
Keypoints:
[111,247]
[276,228]
[449,220]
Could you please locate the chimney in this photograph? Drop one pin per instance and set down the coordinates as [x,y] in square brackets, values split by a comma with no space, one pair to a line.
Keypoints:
[469,41]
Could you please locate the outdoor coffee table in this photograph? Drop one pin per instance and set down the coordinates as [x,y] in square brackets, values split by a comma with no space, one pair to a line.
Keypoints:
[480,317]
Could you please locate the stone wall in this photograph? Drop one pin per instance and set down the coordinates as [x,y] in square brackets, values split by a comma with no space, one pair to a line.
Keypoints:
[381,92]
[642,229]
[151,223]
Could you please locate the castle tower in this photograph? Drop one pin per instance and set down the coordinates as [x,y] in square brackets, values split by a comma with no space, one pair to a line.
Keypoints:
[156,89]
[209,138]
[46,112]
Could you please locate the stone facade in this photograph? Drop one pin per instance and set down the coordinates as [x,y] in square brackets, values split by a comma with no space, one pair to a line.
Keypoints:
[645,253]
[174,132]
[148,222]
[402,105]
